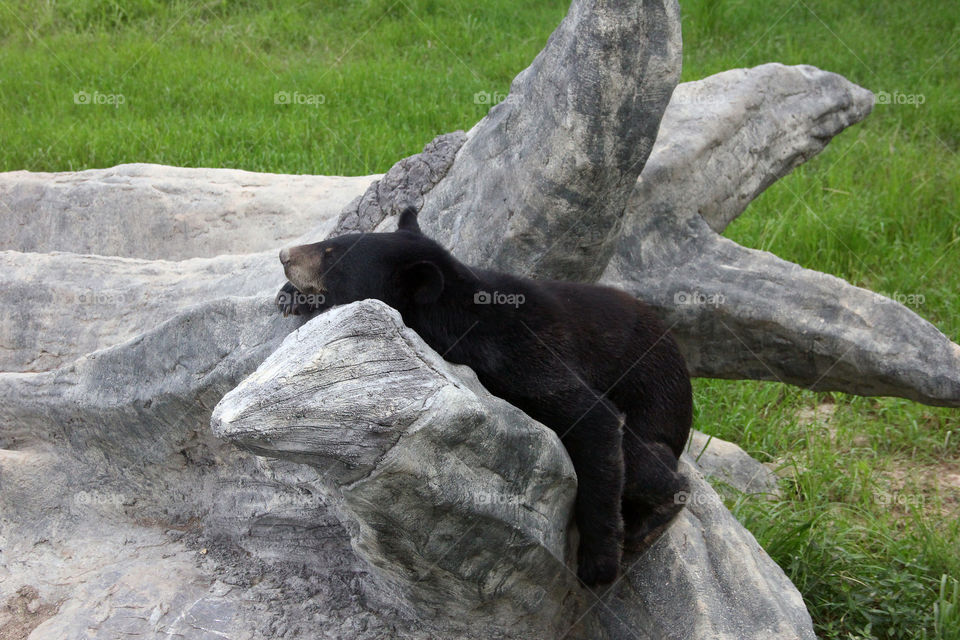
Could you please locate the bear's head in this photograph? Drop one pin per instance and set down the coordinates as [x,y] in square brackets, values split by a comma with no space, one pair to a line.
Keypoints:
[401,268]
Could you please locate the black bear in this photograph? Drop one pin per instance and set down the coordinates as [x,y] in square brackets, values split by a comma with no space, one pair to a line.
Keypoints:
[590,362]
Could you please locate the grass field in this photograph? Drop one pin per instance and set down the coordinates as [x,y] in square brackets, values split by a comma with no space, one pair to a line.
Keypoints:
[868,528]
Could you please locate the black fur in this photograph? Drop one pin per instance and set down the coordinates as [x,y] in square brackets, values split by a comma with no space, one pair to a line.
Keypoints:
[590,362]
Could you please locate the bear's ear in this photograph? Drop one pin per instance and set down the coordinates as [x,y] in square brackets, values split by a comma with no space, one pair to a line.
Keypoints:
[408,220]
[423,281]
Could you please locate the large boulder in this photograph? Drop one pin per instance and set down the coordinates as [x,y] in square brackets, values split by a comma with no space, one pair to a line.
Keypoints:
[456,499]
[459,502]
[394,479]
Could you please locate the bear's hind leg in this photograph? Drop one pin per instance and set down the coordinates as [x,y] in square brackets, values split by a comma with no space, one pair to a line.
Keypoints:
[591,429]
[654,491]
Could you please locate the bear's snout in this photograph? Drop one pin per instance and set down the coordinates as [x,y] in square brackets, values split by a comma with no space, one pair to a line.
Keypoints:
[303,267]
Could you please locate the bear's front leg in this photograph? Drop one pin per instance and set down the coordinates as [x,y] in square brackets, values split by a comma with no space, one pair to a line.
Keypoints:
[591,430]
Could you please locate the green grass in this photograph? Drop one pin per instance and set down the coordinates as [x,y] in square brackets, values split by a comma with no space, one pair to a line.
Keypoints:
[862,530]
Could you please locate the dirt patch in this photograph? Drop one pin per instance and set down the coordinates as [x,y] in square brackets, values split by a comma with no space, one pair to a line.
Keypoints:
[24,612]
[934,489]
[820,414]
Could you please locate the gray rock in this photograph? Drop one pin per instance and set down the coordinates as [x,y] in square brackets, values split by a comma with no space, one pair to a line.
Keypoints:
[729,464]
[724,139]
[169,213]
[459,502]
[118,503]
[707,577]
[742,313]
[56,307]
[540,184]
[404,185]
[141,522]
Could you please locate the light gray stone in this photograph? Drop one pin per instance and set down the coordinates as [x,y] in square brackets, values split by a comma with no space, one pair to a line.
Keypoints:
[742,313]
[56,307]
[140,521]
[724,139]
[540,184]
[169,213]
[119,504]
[729,464]
[457,500]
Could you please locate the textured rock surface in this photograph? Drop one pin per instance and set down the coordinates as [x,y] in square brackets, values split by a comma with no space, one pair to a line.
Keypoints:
[540,184]
[457,499]
[726,462]
[742,313]
[404,185]
[451,491]
[139,521]
[56,307]
[726,138]
[705,578]
[124,511]
[169,213]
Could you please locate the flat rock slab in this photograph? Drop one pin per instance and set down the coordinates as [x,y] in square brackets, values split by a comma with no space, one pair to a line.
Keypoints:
[169,213]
